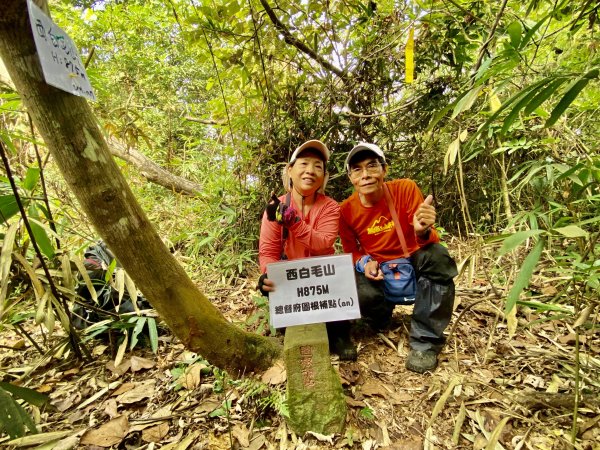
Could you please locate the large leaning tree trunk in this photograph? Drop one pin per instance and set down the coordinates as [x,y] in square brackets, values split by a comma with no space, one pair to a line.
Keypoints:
[71,133]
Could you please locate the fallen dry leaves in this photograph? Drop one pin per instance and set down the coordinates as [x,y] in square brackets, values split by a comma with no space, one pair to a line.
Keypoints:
[489,391]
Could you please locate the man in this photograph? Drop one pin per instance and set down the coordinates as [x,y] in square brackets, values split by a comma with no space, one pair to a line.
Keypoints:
[367,230]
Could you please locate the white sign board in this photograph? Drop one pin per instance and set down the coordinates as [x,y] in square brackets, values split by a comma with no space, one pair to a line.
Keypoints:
[60,60]
[313,290]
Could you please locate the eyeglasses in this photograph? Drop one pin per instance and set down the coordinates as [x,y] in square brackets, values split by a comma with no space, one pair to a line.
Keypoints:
[373,168]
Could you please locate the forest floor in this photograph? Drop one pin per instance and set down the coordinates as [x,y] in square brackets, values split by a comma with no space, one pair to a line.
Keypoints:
[490,391]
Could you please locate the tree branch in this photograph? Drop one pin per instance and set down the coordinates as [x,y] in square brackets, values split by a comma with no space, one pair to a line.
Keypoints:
[152,171]
[205,121]
[489,39]
[290,39]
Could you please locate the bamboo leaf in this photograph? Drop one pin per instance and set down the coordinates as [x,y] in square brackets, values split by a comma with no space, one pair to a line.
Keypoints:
[572,231]
[8,206]
[110,270]
[38,289]
[67,274]
[132,291]
[86,278]
[31,178]
[524,275]
[572,92]
[544,94]
[514,240]
[456,380]
[14,420]
[139,326]
[120,284]
[584,316]
[510,118]
[496,434]
[40,313]
[462,413]
[49,320]
[511,322]
[451,154]
[153,333]
[515,31]
[533,30]
[31,396]
[122,349]
[40,236]
[467,101]
[6,261]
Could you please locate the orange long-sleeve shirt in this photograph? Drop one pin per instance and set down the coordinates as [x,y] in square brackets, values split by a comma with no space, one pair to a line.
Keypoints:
[312,236]
[370,230]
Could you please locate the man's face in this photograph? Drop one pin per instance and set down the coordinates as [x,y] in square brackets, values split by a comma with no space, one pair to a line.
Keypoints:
[367,175]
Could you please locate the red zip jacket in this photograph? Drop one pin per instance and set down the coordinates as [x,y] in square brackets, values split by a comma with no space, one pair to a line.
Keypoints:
[314,235]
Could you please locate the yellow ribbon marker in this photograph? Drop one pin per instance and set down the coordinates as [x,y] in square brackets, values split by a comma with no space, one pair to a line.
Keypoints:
[409,54]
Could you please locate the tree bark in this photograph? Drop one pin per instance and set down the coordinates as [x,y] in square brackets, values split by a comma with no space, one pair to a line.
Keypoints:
[152,171]
[69,128]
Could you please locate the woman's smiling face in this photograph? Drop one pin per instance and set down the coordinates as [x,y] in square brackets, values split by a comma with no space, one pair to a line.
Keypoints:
[308,172]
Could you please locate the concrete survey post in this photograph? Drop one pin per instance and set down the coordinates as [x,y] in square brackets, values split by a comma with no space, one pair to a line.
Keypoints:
[316,399]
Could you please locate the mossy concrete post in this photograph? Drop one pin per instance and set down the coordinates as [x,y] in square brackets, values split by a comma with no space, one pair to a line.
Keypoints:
[316,399]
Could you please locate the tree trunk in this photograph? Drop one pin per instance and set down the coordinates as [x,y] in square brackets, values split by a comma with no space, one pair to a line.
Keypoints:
[152,171]
[70,131]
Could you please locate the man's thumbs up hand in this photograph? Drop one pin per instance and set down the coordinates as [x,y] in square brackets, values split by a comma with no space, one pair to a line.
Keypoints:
[424,216]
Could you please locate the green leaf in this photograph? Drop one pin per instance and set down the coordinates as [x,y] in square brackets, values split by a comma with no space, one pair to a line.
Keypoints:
[572,231]
[110,270]
[543,306]
[31,178]
[31,396]
[514,240]
[139,326]
[516,97]
[544,94]
[39,234]
[153,332]
[515,31]
[467,101]
[572,92]
[510,118]
[533,30]
[524,275]
[14,420]
[8,207]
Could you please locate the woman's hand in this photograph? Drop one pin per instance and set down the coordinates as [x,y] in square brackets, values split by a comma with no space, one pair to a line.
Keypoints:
[265,285]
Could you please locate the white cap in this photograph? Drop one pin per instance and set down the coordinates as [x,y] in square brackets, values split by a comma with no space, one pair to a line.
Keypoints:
[360,147]
[314,144]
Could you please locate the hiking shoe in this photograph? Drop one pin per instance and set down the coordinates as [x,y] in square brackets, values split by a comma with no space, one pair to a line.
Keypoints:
[421,362]
[344,348]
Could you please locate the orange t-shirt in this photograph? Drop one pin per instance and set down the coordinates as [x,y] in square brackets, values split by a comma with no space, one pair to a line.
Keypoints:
[370,230]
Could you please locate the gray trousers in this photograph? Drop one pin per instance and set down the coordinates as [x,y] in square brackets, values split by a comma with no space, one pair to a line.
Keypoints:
[434,300]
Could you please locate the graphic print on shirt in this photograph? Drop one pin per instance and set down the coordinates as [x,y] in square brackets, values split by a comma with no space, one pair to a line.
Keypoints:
[381,225]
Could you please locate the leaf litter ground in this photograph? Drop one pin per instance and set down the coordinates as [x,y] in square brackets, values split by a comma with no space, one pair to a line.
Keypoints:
[490,391]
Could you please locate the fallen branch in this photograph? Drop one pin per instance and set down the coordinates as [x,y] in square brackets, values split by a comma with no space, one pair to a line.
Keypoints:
[152,171]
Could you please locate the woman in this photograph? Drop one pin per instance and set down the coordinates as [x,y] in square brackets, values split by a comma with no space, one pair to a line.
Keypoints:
[301,223]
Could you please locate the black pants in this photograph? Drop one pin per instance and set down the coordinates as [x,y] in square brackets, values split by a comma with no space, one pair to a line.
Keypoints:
[434,300]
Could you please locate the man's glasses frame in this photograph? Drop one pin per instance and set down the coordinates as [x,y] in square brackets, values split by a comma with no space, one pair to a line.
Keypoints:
[373,168]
